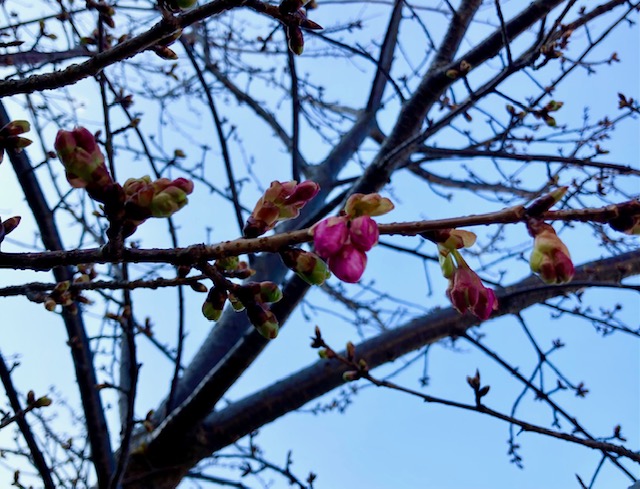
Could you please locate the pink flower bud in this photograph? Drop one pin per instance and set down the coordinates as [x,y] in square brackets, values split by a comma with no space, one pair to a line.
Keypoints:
[367,205]
[281,201]
[169,196]
[467,293]
[160,198]
[348,263]
[363,233]
[139,193]
[330,235]
[83,162]
[550,257]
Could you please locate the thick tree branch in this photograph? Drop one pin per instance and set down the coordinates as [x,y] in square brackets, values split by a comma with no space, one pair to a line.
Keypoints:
[172,458]
[194,254]
[97,430]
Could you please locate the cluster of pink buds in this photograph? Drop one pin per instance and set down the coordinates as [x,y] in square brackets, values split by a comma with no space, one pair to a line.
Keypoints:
[550,257]
[281,201]
[131,204]
[465,291]
[160,198]
[344,240]
[254,297]
[84,163]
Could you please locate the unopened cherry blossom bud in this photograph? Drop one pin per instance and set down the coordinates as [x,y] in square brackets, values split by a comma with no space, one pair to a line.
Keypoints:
[263,319]
[83,162]
[367,205]
[169,196]
[330,235]
[227,263]
[348,263]
[281,201]
[145,198]
[269,292]
[43,401]
[546,202]
[467,293]
[351,375]
[214,304]
[308,266]
[363,233]
[10,136]
[550,257]
[8,225]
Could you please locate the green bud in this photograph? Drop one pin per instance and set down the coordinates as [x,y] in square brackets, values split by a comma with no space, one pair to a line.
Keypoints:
[264,320]
[308,266]
[227,263]
[43,401]
[350,375]
[214,304]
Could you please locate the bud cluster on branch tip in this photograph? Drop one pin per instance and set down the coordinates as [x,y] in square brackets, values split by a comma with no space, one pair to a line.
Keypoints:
[159,198]
[550,257]
[84,163]
[281,201]
[8,226]
[254,297]
[131,204]
[308,266]
[10,137]
[344,240]
[465,290]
